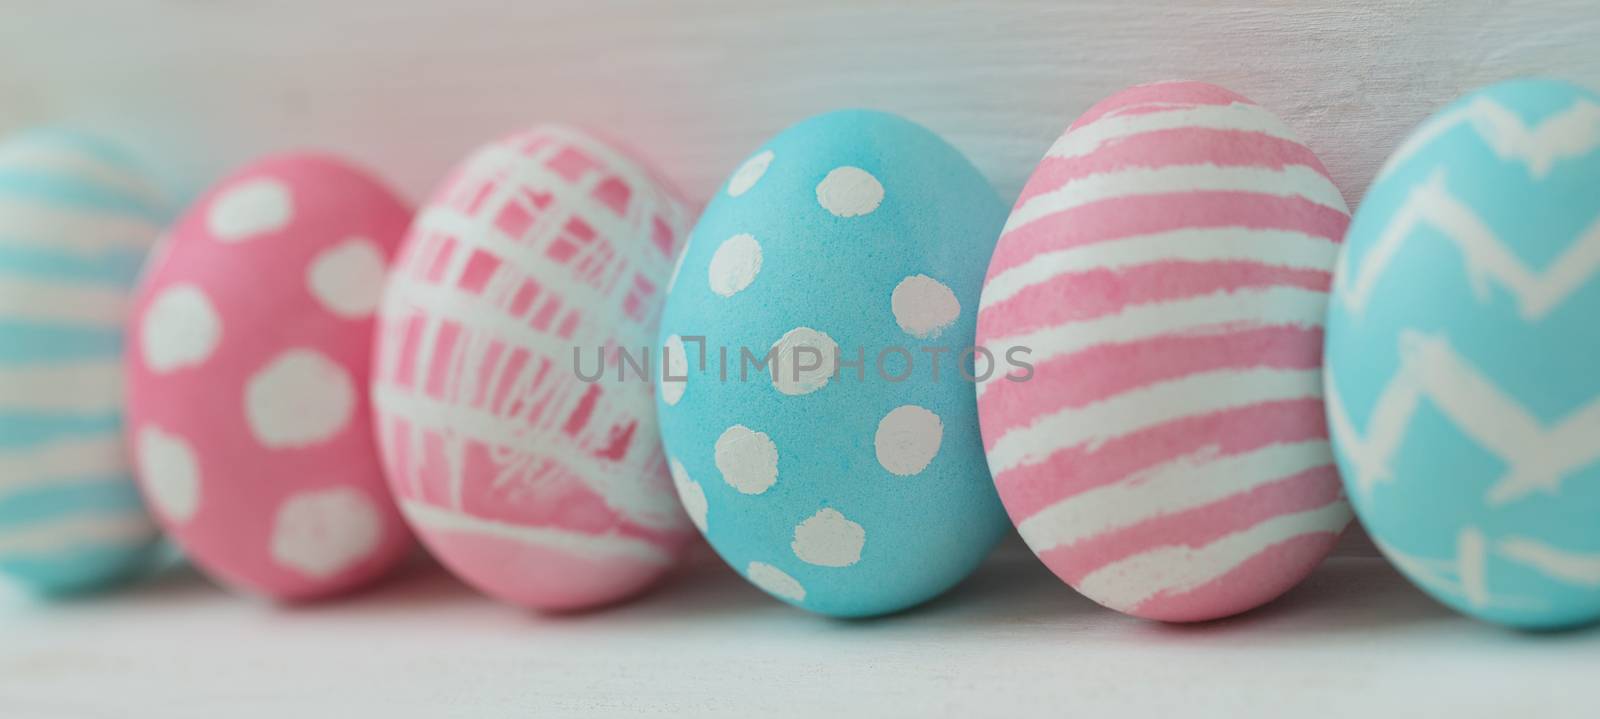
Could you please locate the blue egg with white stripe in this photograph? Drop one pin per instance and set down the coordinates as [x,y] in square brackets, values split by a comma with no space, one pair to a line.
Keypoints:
[1463,394]
[77,217]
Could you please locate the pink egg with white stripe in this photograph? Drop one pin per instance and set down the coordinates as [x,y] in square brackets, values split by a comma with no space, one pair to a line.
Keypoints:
[520,446]
[1166,270]
[247,379]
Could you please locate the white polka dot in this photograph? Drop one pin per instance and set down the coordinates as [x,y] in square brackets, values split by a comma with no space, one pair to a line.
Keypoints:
[849,192]
[749,173]
[324,532]
[923,306]
[691,494]
[674,364]
[347,278]
[805,360]
[747,459]
[735,265]
[907,440]
[300,398]
[827,539]
[773,581]
[250,208]
[169,473]
[181,328]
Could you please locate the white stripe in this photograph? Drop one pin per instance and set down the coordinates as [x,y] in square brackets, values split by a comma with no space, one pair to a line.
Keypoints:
[72,304]
[1237,116]
[1291,181]
[1486,255]
[93,387]
[1186,483]
[527,261]
[1367,458]
[484,316]
[1539,457]
[1571,133]
[1472,566]
[1216,313]
[1151,406]
[1280,248]
[1151,106]
[630,235]
[626,238]
[469,422]
[77,531]
[1421,137]
[1127,583]
[637,176]
[506,164]
[87,459]
[588,546]
[64,160]
[84,232]
[1569,567]
[627,486]
[1440,575]
[1435,573]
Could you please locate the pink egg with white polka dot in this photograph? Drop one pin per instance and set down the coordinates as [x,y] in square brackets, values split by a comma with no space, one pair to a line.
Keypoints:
[247,379]
[531,476]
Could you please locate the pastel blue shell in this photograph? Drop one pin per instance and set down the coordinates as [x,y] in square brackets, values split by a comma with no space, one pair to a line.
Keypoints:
[921,532]
[1463,355]
[76,220]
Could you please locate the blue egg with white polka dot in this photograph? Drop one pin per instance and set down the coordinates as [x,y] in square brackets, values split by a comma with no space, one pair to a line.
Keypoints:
[814,375]
[77,217]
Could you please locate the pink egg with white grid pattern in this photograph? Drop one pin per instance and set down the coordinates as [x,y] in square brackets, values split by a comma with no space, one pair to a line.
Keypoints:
[1167,269]
[247,379]
[519,445]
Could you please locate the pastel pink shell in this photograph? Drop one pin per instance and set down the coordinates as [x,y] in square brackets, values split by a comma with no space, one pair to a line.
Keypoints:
[534,486]
[1167,266]
[247,379]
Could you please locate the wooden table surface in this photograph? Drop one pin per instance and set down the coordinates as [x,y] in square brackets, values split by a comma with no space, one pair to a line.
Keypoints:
[1355,637]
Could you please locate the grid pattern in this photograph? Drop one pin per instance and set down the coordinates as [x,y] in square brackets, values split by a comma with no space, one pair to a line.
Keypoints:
[544,242]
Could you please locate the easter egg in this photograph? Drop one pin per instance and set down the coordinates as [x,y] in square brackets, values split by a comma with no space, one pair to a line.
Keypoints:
[1165,271]
[1462,389]
[522,459]
[247,379]
[816,361]
[76,219]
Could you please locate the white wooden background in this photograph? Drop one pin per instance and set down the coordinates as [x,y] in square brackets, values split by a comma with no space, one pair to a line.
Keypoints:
[409,86]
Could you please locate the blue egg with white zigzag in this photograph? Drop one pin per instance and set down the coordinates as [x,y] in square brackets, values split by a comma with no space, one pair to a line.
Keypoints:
[77,217]
[817,405]
[1463,390]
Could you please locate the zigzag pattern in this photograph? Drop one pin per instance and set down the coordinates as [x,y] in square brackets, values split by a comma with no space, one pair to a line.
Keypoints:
[502,275]
[1485,254]
[1537,457]
[1466,575]
[1569,134]
[1541,456]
